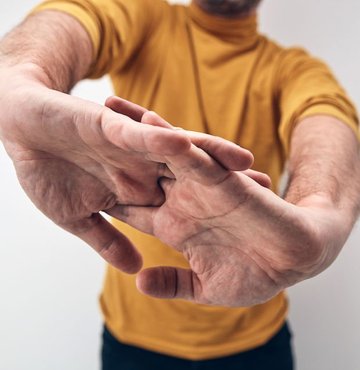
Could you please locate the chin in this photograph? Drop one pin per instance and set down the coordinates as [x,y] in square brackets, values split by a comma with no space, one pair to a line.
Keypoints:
[229,7]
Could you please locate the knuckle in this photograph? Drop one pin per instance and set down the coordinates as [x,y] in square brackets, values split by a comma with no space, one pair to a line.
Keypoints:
[107,248]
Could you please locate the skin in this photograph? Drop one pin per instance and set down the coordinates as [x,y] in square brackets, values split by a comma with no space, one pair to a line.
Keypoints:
[245,244]
[75,158]
[216,147]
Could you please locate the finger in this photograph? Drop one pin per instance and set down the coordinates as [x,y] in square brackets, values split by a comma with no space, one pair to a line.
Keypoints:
[195,163]
[125,107]
[168,282]
[122,132]
[142,218]
[137,113]
[154,119]
[228,154]
[114,247]
[198,166]
[134,111]
[261,178]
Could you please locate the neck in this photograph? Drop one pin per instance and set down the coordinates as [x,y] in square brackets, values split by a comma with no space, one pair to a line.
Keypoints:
[228,9]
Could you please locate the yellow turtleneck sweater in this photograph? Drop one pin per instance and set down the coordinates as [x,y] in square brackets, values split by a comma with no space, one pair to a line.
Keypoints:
[211,74]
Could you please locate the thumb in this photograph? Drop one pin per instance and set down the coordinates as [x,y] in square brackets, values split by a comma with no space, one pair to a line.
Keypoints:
[168,282]
[113,246]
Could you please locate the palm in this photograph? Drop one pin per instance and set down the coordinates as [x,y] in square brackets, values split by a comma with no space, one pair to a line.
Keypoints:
[199,222]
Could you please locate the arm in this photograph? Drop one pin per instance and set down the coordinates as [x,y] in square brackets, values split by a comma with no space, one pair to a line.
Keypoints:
[324,171]
[49,47]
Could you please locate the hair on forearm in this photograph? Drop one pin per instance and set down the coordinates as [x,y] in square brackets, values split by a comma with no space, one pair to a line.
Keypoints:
[53,41]
[325,160]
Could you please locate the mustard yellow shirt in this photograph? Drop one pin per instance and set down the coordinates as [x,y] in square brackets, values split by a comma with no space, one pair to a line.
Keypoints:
[219,76]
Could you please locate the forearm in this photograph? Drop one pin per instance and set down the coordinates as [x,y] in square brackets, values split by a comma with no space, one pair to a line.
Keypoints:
[324,161]
[54,45]
[324,169]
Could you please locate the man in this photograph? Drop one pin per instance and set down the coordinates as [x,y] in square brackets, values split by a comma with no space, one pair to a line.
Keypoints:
[204,68]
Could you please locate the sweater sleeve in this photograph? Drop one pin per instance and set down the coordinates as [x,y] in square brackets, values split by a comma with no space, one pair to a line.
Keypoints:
[117,28]
[307,87]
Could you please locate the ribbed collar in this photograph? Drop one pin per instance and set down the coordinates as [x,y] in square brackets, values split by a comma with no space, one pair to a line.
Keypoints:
[243,30]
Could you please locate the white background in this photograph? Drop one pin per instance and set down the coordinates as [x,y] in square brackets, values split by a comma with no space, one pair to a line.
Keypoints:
[50,281]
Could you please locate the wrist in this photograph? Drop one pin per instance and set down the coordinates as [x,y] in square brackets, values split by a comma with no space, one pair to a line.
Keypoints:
[329,224]
[16,75]
[326,205]
[319,200]
[21,86]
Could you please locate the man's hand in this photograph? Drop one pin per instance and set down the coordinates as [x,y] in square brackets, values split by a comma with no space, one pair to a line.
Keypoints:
[244,244]
[75,158]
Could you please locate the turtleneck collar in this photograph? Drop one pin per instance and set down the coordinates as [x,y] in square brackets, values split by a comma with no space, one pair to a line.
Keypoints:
[242,29]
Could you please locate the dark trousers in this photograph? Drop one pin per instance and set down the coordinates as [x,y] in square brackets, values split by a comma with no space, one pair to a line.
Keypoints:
[276,354]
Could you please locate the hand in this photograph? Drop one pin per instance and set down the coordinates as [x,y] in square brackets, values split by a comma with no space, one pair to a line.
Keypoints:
[75,158]
[226,153]
[243,243]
